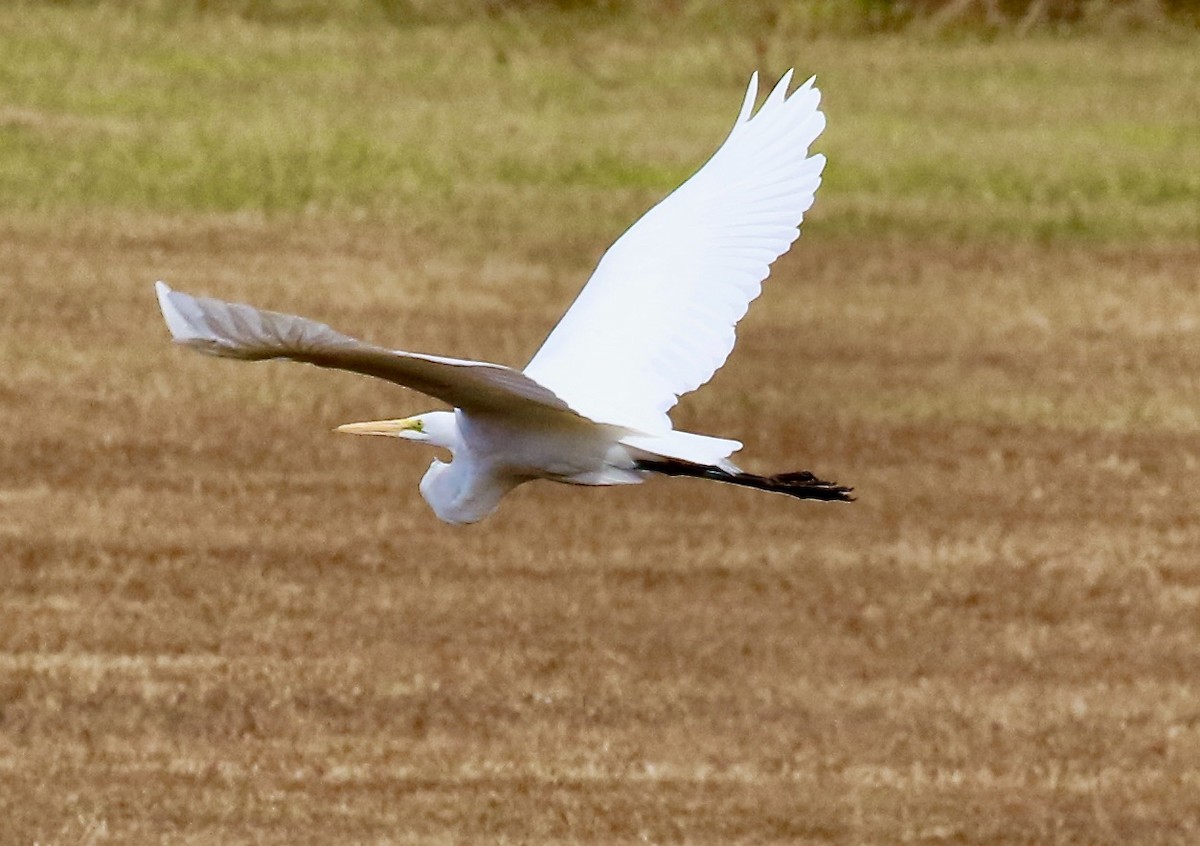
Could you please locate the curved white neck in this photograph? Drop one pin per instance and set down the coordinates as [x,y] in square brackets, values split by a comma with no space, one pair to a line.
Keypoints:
[459,494]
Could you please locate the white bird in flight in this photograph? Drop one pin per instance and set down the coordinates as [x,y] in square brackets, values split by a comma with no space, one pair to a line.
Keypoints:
[655,321]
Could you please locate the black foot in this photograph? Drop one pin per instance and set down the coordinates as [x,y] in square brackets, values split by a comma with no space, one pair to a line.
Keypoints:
[802,484]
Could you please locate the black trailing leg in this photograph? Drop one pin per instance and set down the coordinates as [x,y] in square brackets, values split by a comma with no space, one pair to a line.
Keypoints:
[802,485]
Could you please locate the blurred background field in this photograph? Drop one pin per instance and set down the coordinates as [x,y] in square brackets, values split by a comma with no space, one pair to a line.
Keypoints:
[221,623]
[969,135]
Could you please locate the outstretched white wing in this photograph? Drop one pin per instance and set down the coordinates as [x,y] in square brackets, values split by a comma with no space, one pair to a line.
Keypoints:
[657,318]
[233,330]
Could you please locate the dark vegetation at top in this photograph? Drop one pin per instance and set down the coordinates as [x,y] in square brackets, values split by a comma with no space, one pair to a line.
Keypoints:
[842,16]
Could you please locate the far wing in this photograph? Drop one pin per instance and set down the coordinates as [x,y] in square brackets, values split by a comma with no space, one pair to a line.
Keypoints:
[232,330]
[657,318]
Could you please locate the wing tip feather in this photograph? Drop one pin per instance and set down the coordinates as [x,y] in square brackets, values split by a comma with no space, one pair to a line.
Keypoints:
[178,325]
[748,100]
[779,92]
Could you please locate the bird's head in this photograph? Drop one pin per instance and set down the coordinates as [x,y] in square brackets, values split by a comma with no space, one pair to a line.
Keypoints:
[436,428]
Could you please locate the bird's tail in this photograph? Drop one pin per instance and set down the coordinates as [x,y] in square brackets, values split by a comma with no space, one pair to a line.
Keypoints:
[802,485]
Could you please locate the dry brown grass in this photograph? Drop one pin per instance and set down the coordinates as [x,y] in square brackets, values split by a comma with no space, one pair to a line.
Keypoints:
[221,623]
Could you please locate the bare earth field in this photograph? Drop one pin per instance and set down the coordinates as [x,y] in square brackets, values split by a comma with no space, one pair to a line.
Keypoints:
[223,624]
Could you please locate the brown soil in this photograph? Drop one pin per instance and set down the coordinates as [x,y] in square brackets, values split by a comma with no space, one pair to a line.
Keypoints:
[221,623]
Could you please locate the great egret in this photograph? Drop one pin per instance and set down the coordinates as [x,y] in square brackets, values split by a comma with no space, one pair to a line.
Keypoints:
[655,321]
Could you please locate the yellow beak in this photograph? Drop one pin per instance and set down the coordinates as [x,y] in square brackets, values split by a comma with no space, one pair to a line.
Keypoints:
[390,428]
